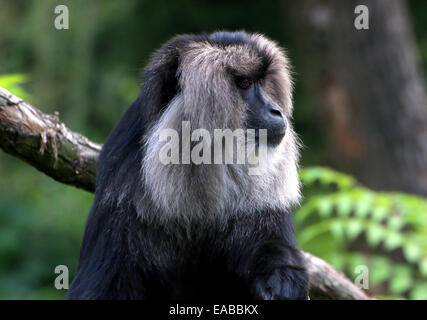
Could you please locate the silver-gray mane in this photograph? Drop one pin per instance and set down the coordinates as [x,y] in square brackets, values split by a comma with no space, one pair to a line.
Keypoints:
[208,99]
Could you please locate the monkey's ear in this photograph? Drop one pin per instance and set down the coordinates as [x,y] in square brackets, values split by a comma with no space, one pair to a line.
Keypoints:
[160,79]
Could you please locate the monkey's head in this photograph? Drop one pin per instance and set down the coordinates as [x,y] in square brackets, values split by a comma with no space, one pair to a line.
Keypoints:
[226,80]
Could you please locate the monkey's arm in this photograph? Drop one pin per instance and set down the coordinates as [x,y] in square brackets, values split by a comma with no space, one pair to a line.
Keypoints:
[108,265]
[275,267]
[277,272]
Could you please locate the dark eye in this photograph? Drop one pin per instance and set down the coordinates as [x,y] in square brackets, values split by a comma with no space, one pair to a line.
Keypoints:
[244,83]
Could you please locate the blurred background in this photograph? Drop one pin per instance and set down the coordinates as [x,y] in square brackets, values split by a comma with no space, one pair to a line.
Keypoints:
[360,111]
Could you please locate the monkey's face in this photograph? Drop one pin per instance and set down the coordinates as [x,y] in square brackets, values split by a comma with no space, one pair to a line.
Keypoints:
[241,85]
[261,111]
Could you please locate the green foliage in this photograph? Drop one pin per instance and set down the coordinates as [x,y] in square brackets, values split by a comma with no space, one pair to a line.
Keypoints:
[13,82]
[41,226]
[41,223]
[350,225]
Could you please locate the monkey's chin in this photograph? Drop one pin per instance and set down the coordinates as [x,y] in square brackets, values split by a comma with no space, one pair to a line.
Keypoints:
[274,140]
[274,137]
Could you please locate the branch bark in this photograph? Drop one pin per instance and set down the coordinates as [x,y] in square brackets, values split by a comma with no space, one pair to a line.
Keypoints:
[48,145]
[329,284]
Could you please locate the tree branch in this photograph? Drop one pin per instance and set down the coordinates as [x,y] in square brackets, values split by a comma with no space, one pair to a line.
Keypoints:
[329,284]
[68,157]
[46,143]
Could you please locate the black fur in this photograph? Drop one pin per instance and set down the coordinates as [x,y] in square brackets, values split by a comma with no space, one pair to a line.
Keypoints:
[125,257]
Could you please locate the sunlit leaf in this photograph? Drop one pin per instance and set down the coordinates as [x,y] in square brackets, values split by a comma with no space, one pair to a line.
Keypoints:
[345,181]
[326,176]
[324,207]
[13,82]
[380,270]
[356,260]
[392,240]
[375,234]
[304,211]
[354,228]
[419,292]
[313,231]
[382,207]
[337,261]
[309,176]
[401,279]
[364,205]
[344,205]
[423,267]
[396,222]
[412,252]
[337,230]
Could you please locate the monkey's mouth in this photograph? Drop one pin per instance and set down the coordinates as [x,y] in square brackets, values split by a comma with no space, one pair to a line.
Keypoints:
[273,138]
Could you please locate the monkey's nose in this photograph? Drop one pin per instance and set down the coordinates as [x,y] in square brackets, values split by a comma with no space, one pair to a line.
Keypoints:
[277,121]
[276,112]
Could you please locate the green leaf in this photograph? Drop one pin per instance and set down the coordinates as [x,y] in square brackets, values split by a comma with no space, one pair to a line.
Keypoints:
[356,260]
[326,176]
[396,222]
[344,205]
[364,204]
[380,270]
[13,79]
[354,228]
[337,261]
[304,211]
[337,230]
[412,252]
[392,240]
[309,175]
[324,207]
[12,82]
[345,181]
[375,234]
[379,213]
[401,280]
[313,231]
[419,292]
[382,206]
[423,267]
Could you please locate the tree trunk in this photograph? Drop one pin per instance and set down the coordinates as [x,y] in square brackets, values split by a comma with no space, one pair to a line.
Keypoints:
[368,89]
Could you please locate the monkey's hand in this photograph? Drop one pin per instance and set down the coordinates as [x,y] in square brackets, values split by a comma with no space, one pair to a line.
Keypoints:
[278,273]
[281,284]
